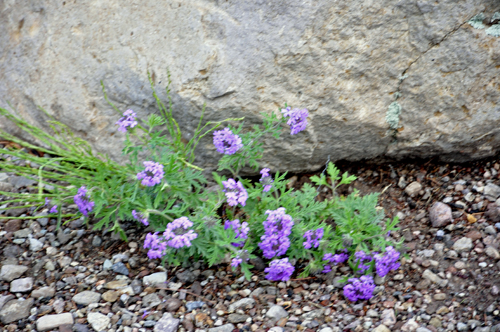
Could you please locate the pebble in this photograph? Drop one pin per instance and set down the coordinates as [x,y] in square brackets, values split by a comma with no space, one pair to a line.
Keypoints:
[15,310]
[413,188]
[192,305]
[87,297]
[21,285]
[388,317]
[43,292]
[155,278]
[276,312]
[167,323]
[11,272]
[381,328]
[172,304]
[492,252]
[429,275]
[440,214]
[50,322]
[463,244]
[120,268]
[245,303]
[98,321]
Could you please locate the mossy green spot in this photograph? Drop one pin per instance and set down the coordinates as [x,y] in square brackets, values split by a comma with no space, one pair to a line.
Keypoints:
[392,115]
[477,21]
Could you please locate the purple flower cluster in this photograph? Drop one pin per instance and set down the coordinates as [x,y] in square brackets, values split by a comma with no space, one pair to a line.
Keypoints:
[140,217]
[277,228]
[360,258]
[334,259]
[266,179]
[226,142]
[177,233]
[279,270]
[157,247]
[387,262]
[128,120]
[85,205]
[359,289]
[240,230]
[235,192]
[298,119]
[313,238]
[152,174]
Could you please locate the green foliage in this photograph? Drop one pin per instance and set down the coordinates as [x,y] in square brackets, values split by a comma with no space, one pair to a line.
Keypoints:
[352,223]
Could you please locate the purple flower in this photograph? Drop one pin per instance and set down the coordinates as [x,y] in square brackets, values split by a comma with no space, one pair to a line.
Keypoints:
[298,119]
[152,174]
[266,179]
[278,222]
[334,259]
[47,201]
[387,262]
[157,248]
[359,289]
[85,205]
[145,314]
[361,257]
[240,230]
[277,228]
[274,245]
[53,209]
[140,217]
[279,270]
[235,192]
[177,233]
[226,142]
[313,238]
[236,261]
[128,120]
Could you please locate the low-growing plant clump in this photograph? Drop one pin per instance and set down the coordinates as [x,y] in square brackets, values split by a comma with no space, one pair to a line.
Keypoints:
[240,221]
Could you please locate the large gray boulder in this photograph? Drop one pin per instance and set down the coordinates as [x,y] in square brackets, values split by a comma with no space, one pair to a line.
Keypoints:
[382,79]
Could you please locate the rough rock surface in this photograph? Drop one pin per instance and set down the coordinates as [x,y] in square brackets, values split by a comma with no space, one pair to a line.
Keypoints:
[346,61]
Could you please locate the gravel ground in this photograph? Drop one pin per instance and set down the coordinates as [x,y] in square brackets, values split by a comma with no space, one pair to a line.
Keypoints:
[76,279]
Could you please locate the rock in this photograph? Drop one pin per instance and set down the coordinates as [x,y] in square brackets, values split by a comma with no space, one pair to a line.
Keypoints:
[413,188]
[410,326]
[5,298]
[110,296]
[11,272]
[440,215]
[245,303]
[96,241]
[216,55]
[120,268]
[463,244]
[388,317]
[21,285]
[491,192]
[186,277]
[381,328]
[13,225]
[237,318]
[86,298]
[15,310]
[98,321]
[428,274]
[223,328]
[492,252]
[493,212]
[192,305]
[167,323]
[35,245]
[155,278]
[50,322]
[116,284]
[276,312]
[151,300]
[172,304]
